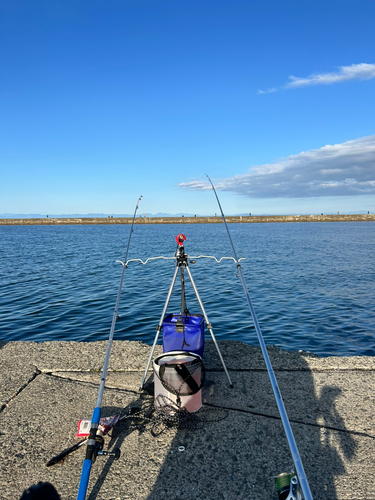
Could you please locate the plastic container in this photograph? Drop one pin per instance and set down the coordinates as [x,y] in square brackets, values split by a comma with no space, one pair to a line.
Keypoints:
[178,380]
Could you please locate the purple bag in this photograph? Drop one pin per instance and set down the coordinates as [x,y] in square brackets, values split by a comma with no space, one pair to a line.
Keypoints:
[184,332]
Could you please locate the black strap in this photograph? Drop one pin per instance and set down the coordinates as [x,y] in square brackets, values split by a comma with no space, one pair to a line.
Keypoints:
[180,328]
[186,377]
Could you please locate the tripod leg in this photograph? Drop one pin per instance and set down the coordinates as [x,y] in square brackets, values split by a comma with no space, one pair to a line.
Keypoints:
[209,326]
[183,308]
[158,328]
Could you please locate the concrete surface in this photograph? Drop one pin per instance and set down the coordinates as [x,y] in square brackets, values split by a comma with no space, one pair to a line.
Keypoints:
[46,388]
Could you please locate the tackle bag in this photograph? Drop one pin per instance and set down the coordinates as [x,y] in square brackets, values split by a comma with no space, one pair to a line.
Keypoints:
[184,332]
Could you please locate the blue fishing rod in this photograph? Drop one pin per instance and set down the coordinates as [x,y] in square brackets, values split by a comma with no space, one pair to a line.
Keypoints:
[95,440]
[296,483]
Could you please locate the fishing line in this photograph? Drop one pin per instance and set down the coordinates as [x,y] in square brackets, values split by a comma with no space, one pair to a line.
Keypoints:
[295,421]
[300,472]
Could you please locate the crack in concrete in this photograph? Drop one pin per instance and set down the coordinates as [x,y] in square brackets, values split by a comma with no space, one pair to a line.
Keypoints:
[26,384]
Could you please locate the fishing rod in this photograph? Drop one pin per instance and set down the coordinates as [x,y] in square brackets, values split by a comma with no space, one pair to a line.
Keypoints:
[95,441]
[300,475]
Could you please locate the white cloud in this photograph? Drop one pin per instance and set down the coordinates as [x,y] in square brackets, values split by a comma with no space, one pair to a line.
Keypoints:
[361,71]
[340,170]
[269,91]
[354,72]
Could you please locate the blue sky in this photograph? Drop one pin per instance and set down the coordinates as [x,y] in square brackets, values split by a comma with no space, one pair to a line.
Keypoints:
[102,101]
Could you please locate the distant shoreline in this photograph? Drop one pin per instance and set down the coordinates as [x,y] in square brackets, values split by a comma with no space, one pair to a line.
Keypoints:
[252,219]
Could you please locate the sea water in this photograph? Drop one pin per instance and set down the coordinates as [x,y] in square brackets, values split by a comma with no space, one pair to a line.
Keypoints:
[312,284]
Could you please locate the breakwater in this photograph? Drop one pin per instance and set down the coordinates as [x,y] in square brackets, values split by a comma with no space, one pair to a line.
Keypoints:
[252,219]
[233,451]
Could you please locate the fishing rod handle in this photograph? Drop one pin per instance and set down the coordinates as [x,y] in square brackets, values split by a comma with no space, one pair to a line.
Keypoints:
[85,476]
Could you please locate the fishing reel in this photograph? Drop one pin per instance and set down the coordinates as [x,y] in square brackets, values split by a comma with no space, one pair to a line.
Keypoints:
[116,454]
[288,487]
[99,444]
[95,445]
[95,448]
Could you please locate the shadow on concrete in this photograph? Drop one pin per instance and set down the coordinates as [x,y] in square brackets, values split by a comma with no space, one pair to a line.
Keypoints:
[239,457]
[2,344]
[322,437]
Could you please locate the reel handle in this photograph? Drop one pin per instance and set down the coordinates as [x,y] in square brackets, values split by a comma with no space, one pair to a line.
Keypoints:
[116,454]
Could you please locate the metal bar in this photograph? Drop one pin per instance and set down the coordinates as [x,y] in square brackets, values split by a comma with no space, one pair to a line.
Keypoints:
[158,328]
[183,298]
[91,443]
[280,403]
[208,323]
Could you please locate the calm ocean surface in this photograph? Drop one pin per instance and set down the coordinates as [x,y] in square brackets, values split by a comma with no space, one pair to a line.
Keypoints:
[312,284]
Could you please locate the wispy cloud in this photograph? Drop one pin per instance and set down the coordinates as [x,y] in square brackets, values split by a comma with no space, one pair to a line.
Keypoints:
[268,91]
[361,71]
[354,72]
[338,170]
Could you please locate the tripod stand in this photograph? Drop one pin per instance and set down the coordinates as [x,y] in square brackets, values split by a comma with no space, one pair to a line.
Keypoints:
[182,264]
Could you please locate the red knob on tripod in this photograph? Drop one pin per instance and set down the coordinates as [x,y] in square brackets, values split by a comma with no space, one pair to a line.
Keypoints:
[180,239]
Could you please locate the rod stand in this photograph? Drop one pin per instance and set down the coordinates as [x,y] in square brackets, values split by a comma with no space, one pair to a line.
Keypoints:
[182,264]
[159,327]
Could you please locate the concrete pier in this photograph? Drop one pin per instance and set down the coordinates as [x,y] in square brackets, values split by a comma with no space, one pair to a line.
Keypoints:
[188,220]
[46,388]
